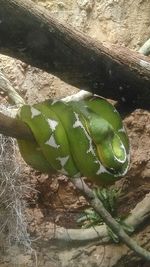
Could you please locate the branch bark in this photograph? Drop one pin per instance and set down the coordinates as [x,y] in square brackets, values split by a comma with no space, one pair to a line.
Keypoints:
[14,128]
[30,34]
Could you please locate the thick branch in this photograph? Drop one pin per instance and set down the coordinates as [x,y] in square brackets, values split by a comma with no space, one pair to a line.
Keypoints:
[30,34]
[14,128]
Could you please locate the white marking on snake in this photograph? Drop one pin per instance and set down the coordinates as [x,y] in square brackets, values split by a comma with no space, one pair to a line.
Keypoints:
[78,124]
[53,124]
[52,142]
[77,175]
[63,171]
[126,169]
[125,157]
[122,130]
[63,160]
[34,112]
[54,101]
[101,169]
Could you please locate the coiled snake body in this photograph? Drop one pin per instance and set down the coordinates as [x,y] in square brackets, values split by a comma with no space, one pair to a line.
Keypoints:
[84,138]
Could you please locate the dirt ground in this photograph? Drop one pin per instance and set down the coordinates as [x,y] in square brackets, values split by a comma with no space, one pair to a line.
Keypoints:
[53,200]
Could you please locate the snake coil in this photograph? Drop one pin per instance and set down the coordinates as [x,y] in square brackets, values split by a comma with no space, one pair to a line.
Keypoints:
[84,138]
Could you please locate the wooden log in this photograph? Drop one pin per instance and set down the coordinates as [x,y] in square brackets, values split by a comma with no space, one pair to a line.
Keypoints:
[30,34]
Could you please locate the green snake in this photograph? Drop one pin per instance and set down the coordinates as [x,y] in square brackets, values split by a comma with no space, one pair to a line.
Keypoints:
[76,138]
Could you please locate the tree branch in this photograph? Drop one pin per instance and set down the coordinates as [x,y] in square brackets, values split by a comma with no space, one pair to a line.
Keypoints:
[30,34]
[14,128]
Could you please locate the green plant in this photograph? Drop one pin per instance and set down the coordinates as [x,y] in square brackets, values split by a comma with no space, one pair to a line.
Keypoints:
[109,199]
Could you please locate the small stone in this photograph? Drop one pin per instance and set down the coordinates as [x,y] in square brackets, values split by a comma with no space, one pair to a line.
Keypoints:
[61,5]
[86,5]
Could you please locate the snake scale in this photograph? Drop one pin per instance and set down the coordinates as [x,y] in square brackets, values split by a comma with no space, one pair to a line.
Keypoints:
[76,138]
